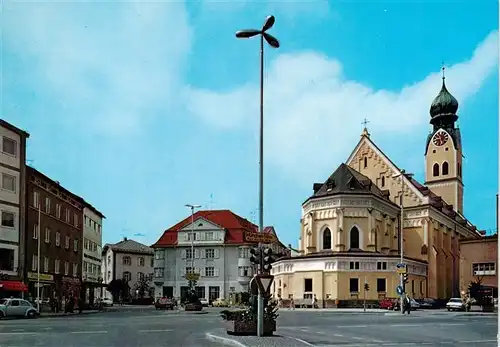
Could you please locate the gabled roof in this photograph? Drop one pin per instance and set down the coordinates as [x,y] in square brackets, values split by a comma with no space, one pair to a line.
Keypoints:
[128,246]
[419,189]
[346,180]
[234,225]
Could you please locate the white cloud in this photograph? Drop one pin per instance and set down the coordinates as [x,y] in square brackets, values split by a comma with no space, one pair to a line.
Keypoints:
[106,63]
[312,110]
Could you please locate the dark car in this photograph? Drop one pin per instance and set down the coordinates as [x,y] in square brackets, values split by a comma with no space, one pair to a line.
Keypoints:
[164,304]
[428,303]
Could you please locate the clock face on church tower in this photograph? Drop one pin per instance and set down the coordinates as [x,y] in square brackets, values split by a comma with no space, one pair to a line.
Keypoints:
[440,138]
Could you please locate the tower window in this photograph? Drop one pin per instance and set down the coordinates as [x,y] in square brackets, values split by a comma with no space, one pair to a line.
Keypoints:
[354,238]
[435,170]
[382,183]
[459,170]
[433,151]
[365,162]
[445,168]
[327,239]
[446,149]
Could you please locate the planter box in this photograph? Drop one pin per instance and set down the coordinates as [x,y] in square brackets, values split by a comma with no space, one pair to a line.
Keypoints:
[193,307]
[249,328]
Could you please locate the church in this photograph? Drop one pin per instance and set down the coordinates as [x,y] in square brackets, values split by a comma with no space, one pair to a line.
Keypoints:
[350,238]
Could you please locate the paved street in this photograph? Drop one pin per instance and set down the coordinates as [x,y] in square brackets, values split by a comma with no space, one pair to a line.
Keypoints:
[419,329]
[148,327]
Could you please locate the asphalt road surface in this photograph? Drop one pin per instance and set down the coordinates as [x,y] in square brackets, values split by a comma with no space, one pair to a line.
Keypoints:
[417,329]
[148,327]
[124,329]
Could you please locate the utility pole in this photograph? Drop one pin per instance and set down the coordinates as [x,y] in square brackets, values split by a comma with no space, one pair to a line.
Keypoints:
[38,257]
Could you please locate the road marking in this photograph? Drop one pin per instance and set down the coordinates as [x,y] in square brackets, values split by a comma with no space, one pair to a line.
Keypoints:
[89,332]
[299,340]
[405,325]
[19,333]
[357,338]
[155,331]
[452,324]
[351,326]
[320,332]
[17,330]
[338,335]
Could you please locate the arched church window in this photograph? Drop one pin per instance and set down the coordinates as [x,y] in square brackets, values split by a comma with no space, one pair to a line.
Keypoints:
[382,183]
[354,238]
[365,162]
[435,170]
[445,168]
[327,239]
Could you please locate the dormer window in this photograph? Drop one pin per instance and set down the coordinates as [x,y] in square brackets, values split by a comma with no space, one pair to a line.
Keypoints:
[329,185]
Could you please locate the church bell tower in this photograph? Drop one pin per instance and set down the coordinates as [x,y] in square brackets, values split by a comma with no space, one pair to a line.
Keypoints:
[443,153]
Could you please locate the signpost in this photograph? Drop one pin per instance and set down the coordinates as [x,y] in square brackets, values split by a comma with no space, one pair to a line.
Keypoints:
[399,290]
[264,282]
[401,269]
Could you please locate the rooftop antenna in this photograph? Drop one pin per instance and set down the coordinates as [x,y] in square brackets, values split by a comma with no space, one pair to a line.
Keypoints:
[211,203]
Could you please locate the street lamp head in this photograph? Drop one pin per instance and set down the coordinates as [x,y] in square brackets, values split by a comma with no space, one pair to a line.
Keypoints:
[247,33]
[273,41]
[268,24]
[396,175]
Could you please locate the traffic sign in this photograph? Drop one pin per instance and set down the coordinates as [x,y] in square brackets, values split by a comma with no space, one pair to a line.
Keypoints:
[264,282]
[399,290]
[254,287]
[401,268]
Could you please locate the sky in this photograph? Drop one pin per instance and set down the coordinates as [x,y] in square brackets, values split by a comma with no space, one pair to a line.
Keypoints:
[141,108]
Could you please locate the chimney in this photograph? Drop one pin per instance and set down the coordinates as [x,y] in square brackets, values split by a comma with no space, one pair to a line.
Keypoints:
[125,238]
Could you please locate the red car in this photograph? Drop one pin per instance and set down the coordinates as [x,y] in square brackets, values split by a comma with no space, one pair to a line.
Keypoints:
[387,304]
[164,304]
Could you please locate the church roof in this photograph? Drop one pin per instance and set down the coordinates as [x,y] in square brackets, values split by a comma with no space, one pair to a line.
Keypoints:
[346,180]
[444,103]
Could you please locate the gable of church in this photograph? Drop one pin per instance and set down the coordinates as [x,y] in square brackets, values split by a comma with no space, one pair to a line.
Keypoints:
[369,160]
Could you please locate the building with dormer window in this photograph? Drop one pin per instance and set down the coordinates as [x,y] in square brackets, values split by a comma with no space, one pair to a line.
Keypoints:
[213,247]
[350,232]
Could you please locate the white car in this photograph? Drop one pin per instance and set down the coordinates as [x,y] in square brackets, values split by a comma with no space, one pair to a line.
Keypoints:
[455,304]
[107,302]
[204,302]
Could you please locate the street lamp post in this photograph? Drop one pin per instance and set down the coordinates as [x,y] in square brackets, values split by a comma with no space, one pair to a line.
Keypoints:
[273,42]
[38,257]
[192,207]
[401,227]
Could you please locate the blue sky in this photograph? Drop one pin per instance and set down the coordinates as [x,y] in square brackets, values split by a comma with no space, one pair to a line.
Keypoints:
[142,108]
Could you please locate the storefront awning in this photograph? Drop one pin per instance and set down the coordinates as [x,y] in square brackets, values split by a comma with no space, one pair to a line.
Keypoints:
[14,286]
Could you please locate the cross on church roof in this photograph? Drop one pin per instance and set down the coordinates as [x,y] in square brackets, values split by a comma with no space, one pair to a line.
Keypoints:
[365,121]
[443,67]
[365,130]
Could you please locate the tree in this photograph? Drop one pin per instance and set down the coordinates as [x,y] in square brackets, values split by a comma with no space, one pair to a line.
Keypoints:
[143,287]
[119,288]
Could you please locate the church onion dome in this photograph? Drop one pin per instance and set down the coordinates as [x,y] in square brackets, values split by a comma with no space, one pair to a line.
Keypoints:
[444,103]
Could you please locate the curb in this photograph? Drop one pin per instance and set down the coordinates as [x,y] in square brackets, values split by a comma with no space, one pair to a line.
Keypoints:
[224,340]
[68,315]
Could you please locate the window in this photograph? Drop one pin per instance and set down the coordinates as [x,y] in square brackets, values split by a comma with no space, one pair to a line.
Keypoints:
[56,266]
[47,205]
[127,276]
[413,287]
[381,285]
[354,285]
[445,168]
[66,268]
[36,198]
[189,270]
[191,236]
[382,181]
[47,235]
[7,219]
[45,264]
[58,239]
[75,270]
[381,265]
[210,253]
[354,265]
[483,269]
[354,238]
[140,261]
[8,182]
[34,262]
[159,254]
[189,253]
[245,271]
[75,245]
[127,261]
[327,239]
[9,146]
[200,292]
[209,271]
[435,170]
[35,231]
[159,272]
[140,276]
[75,220]
[365,162]
[209,236]
[66,242]
[67,215]
[422,287]
[308,285]
[58,211]
[244,253]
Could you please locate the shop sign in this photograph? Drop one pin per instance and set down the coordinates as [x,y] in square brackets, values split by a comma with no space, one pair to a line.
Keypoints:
[33,276]
[71,280]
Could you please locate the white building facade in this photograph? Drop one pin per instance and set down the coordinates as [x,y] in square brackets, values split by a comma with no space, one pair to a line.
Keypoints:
[92,252]
[12,199]
[213,247]
[128,260]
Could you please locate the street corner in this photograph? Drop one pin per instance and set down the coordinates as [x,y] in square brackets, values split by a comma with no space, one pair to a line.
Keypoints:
[218,338]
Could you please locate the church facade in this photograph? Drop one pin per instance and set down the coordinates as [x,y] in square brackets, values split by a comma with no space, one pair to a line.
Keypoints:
[350,227]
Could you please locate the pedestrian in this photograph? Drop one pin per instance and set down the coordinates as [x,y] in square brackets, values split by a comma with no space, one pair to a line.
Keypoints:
[292,304]
[314,301]
[406,304]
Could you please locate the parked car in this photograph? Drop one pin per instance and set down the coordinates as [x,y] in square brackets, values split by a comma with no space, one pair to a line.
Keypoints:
[387,304]
[414,304]
[164,304]
[204,302]
[17,308]
[428,303]
[219,303]
[455,304]
[107,302]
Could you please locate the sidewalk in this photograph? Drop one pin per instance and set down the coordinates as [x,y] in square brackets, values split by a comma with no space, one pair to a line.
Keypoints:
[221,336]
[336,310]
[62,314]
